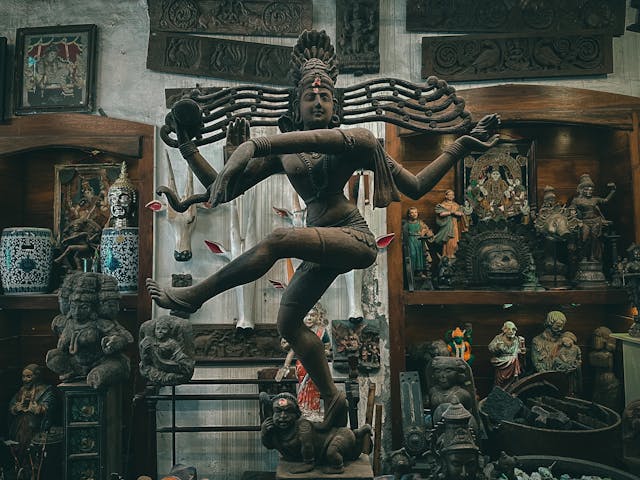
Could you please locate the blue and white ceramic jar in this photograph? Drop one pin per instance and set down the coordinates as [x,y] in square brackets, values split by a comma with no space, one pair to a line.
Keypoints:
[27,256]
[119,256]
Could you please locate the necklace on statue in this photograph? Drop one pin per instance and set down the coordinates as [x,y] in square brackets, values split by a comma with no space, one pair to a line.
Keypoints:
[318,186]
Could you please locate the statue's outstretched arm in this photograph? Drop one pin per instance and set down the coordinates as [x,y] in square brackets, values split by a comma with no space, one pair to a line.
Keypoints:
[480,138]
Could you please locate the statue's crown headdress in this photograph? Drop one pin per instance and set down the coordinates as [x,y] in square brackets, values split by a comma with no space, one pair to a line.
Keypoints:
[313,61]
[123,182]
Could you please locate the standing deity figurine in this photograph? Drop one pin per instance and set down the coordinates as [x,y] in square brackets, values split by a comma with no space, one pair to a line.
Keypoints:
[415,234]
[508,351]
[319,159]
[451,218]
[568,358]
[593,222]
[123,201]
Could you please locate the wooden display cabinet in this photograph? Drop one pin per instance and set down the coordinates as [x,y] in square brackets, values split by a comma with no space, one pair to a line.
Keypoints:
[575,131]
[30,147]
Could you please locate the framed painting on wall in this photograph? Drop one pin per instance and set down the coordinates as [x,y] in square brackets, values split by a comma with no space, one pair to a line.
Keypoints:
[81,198]
[499,183]
[55,69]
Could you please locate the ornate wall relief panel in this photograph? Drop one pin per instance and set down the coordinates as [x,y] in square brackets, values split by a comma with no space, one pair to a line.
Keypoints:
[484,57]
[254,17]
[537,16]
[220,58]
[357,32]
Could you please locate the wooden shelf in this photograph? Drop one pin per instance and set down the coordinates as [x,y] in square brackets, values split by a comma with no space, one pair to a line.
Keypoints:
[485,297]
[49,301]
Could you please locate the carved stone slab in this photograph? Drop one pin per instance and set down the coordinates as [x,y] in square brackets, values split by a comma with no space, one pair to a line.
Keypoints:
[483,57]
[357,34]
[220,58]
[539,16]
[286,18]
[216,342]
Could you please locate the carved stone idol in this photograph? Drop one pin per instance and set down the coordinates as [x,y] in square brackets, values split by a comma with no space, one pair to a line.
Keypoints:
[31,410]
[606,386]
[91,342]
[166,350]
[556,350]
[305,446]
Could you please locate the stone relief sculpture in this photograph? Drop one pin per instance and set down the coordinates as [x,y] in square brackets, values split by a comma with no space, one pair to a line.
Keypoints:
[166,350]
[556,350]
[357,26]
[299,440]
[319,160]
[90,340]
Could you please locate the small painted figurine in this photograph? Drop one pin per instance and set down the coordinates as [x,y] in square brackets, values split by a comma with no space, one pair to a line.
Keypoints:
[166,351]
[593,222]
[31,410]
[414,232]
[508,350]
[300,440]
[123,201]
[91,342]
[452,221]
[459,345]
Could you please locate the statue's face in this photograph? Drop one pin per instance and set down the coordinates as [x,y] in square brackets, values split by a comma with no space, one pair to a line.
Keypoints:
[556,326]
[445,376]
[284,413]
[162,330]
[311,318]
[80,311]
[120,202]
[412,213]
[587,191]
[500,262]
[509,331]
[316,107]
[567,342]
[495,175]
[27,377]
[450,195]
[461,465]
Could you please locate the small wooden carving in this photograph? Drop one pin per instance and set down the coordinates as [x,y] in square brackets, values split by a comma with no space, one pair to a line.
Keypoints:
[361,340]
[518,17]
[218,342]
[215,57]
[357,31]
[484,57]
[284,18]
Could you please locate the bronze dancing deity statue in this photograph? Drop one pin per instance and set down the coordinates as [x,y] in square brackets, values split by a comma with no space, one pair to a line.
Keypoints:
[318,158]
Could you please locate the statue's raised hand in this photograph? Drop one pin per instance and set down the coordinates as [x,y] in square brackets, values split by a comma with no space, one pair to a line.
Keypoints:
[483,135]
[238,132]
[223,188]
[185,118]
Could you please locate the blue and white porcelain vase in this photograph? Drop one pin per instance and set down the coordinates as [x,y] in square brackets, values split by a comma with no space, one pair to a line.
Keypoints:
[119,256]
[27,256]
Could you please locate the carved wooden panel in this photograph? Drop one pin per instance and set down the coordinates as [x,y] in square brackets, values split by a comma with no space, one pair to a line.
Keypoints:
[539,16]
[219,342]
[243,17]
[482,57]
[220,58]
[357,36]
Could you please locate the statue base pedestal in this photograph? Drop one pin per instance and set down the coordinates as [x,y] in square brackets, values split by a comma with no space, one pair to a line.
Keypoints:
[589,275]
[92,431]
[359,469]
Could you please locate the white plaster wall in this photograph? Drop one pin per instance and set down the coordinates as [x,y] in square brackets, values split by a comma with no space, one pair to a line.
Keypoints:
[127,90]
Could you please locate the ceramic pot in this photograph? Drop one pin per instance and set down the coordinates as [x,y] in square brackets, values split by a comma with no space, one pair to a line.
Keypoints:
[27,255]
[119,256]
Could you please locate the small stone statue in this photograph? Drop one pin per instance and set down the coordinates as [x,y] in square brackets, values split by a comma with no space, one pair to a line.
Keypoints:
[631,436]
[300,440]
[606,387]
[568,358]
[31,410]
[91,342]
[546,345]
[123,201]
[456,450]
[508,349]
[449,378]
[166,350]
